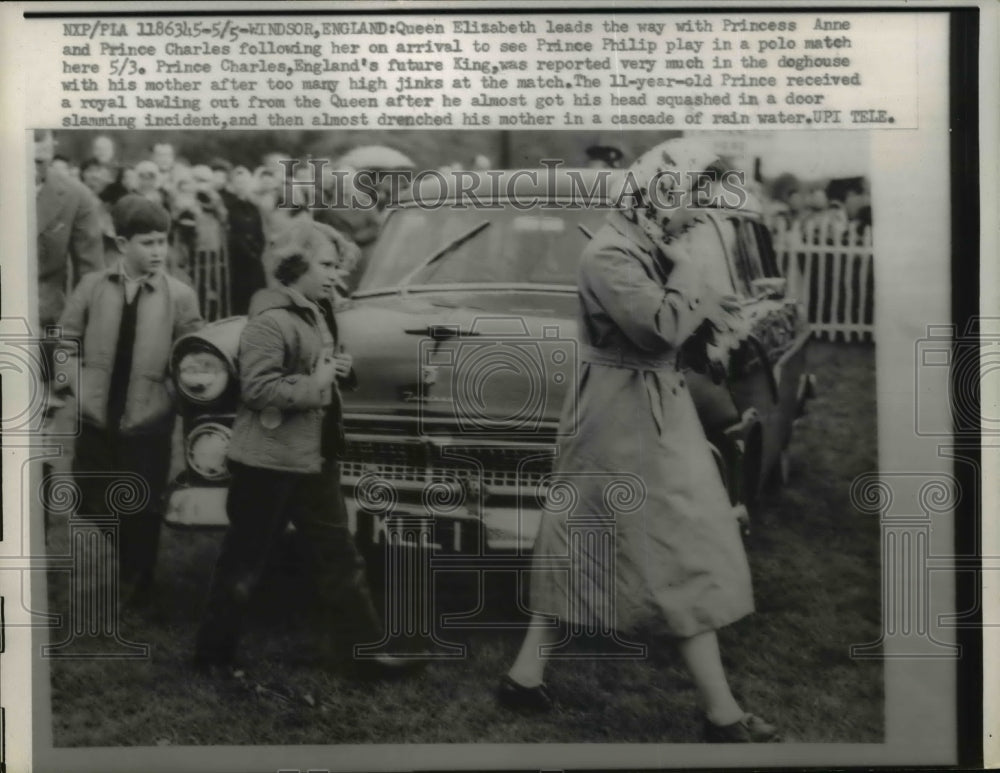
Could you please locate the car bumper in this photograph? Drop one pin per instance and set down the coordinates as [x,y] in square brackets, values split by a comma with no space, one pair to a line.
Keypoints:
[499,530]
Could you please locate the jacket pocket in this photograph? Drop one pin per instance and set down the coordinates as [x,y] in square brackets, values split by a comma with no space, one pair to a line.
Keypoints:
[149,402]
[294,444]
[93,393]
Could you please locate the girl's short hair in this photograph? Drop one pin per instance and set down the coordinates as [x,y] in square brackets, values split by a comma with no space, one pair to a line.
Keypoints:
[292,248]
[291,268]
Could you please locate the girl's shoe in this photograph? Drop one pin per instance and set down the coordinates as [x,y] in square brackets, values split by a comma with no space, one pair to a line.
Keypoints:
[749,729]
[513,695]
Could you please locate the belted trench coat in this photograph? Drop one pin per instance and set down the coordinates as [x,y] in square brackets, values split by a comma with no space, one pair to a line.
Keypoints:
[637,511]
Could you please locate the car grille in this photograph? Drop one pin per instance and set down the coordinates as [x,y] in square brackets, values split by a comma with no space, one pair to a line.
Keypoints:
[386,452]
[504,470]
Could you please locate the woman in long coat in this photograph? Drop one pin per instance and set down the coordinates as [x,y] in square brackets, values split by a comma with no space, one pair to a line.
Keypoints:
[677,563]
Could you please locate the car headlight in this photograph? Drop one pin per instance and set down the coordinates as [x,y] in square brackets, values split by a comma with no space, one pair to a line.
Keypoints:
[202,376]
[207,445]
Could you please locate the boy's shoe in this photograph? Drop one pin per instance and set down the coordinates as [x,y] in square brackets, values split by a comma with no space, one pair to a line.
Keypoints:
[748,729]
[515,696]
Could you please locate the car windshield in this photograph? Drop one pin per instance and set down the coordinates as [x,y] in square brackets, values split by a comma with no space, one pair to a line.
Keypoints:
[472,246]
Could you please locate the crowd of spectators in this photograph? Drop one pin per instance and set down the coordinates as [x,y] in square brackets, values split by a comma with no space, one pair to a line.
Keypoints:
[214,208]
[220,208]
[834,208]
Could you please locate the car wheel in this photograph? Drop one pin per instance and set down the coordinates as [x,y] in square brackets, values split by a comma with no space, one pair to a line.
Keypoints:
[781,473]
[752,484]
[784,467]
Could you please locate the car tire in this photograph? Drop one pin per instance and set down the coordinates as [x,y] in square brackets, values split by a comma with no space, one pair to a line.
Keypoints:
[781,473]
[753,486]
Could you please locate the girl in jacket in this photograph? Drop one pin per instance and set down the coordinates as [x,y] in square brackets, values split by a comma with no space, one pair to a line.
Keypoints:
[675,565]
[282,467]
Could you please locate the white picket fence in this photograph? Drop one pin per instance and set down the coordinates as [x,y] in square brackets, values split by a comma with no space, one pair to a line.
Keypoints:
[828,265]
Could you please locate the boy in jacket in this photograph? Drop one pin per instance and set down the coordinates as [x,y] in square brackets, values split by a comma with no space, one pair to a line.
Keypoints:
[126,319]
[282,456]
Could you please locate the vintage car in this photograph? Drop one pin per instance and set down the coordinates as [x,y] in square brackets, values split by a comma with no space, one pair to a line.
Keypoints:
[463,332]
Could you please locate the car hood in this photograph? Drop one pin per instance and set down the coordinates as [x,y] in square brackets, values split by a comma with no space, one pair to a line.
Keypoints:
[493,362]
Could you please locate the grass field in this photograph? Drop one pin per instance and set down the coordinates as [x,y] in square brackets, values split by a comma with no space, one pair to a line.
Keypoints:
[816,570]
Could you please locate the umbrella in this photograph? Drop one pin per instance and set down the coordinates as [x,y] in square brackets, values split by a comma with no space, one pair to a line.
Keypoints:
[375,157]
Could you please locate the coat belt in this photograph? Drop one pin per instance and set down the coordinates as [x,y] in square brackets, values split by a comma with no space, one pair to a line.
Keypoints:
[631,360]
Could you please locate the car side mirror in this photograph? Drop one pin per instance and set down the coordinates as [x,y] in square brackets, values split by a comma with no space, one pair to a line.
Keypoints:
[769,287]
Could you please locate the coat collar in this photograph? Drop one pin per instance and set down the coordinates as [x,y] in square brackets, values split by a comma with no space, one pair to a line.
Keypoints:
[300,301]
[632,232]
[151,281]
[280,297]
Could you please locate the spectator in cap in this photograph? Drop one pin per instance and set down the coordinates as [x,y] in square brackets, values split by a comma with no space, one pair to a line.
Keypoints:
[221,169]
[103,149]
[98,179]
[61,166]
[163,156]
[200,237]
[245,238]
[69,242]
[149,183]
[604,157]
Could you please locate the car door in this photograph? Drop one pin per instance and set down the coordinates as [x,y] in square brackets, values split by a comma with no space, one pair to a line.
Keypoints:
[771,362]
[790,336]
[706,242]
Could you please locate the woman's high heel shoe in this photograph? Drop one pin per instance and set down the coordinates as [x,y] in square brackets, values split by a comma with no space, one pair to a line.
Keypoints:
[748,729]
[513,695]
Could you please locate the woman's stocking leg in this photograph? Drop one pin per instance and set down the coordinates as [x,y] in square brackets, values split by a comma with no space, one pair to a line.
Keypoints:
[529,667]
[702,657]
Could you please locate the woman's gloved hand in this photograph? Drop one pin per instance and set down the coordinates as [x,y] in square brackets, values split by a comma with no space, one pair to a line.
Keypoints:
[709,348]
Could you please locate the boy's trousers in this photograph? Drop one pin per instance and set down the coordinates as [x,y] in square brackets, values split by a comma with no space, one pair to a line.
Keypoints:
[260,505]
[99,457]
